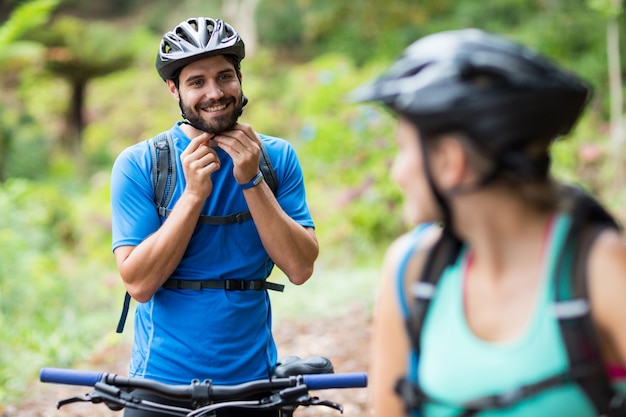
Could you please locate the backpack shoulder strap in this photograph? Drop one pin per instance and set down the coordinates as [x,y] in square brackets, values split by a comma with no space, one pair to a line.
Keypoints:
[163,170]
[572,307]
[266,167]
[443,253]
[163,176]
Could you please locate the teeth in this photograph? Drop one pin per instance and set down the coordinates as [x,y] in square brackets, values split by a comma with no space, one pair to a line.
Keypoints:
[217,108]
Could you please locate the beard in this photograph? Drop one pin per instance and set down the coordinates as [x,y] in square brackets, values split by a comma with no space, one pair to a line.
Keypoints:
[215,125]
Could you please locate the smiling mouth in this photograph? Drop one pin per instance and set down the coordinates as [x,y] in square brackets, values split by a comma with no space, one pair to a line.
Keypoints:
[214,108]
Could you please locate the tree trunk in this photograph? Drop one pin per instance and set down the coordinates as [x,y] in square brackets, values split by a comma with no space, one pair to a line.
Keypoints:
[615,84]
[4,150]
[617,122]
[71,140]
[240,14]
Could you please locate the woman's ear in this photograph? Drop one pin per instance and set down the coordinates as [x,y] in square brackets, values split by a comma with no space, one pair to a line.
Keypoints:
[449,163]
[173,90]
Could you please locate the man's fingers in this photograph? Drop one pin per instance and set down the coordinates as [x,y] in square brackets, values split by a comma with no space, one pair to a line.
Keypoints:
[200,140]
[210,158]
[237,142]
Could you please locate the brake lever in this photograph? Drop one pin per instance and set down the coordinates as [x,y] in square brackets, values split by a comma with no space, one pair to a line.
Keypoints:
[92,397]
[288,398]
[113,397]
[299,395]
[66,401]
[117,399]
[330,404]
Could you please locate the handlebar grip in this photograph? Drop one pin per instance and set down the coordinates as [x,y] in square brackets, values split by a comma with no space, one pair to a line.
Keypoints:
[70,376]
[328,381]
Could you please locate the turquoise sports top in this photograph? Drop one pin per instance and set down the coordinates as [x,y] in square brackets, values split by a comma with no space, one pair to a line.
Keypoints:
[455,366]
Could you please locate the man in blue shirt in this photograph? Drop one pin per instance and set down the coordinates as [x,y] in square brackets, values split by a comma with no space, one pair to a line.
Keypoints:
[184,331]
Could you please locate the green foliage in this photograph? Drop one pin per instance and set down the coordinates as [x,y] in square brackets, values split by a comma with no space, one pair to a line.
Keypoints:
[608,8]
[286,27]
[28,15]
[50,274]
[15,55]
[308,28]
[80,51]
[26,143]
[345,150]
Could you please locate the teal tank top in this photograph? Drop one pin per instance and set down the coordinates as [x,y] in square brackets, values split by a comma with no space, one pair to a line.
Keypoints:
[455,366]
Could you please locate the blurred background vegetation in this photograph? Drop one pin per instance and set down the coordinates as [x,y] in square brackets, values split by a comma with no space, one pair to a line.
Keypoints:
[79,85]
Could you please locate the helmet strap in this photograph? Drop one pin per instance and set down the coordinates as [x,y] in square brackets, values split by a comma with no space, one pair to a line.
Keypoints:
[443,204]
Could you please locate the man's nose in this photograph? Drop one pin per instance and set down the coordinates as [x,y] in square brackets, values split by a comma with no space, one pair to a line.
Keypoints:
[213,90]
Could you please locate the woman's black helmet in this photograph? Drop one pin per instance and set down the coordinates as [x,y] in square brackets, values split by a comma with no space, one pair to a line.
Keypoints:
[195,39]
[499,93]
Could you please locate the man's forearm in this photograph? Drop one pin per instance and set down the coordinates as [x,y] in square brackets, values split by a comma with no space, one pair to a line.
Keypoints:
[146,267]
[293,248]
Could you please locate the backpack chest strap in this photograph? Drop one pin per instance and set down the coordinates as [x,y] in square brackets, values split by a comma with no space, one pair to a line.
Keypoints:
[242,216]
[197,285]
[225,284]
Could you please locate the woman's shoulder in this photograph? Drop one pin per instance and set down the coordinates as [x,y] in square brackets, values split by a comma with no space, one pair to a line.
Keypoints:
[411,248]
[607,292]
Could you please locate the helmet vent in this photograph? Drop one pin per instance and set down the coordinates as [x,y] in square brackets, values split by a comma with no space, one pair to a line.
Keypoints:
[183,35]
[482,78]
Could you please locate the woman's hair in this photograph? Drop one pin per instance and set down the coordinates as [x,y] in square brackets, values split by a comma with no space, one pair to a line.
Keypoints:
[539,190]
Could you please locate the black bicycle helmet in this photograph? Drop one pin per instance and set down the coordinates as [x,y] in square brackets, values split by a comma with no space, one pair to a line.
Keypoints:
[195,39]
[499,93]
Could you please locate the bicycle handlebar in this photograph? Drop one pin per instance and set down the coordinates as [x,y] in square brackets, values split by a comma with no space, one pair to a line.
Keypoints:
[312,381]
[284,392]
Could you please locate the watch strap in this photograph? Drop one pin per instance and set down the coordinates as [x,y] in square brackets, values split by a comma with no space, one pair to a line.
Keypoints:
[253,182]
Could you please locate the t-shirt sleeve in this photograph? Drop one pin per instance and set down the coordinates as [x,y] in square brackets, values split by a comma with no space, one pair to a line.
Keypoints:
[133,212]
[291,194]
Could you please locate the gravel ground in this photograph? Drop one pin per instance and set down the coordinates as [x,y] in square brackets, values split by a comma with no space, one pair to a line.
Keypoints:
[344,340]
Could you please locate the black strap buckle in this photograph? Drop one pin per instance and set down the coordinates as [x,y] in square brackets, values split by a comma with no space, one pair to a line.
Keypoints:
[410,393]
[242,217]
[235,285]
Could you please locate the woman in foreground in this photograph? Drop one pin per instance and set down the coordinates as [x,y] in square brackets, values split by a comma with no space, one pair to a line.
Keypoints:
[524,261]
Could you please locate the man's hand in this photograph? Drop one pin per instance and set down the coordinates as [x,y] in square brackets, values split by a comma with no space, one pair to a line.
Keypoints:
[199,162]
[244,147]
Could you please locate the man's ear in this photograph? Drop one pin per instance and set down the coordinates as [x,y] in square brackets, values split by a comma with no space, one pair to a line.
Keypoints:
[173,90]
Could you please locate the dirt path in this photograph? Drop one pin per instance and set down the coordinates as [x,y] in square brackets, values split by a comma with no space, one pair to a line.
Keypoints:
[345,340]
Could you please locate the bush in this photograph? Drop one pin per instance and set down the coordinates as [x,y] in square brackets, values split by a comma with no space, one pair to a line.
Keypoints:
[49,278]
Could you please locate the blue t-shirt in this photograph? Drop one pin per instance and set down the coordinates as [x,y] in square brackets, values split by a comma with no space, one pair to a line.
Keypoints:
[212,334]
